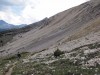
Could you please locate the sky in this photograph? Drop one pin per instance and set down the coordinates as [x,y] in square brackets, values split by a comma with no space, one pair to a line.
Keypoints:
[29,11]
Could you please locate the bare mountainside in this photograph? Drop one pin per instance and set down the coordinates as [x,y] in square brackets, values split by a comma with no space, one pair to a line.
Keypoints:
[62,28]
[67,43]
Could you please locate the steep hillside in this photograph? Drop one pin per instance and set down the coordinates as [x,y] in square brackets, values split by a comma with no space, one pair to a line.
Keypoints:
[8,34]
[70,24]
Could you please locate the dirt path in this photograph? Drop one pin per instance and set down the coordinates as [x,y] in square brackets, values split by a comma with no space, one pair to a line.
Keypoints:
[10,69]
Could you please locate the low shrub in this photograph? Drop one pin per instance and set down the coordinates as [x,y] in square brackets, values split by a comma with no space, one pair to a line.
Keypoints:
[57,53]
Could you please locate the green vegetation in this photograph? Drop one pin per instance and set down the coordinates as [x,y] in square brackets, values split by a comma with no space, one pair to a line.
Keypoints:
[10,60]
[31,68]
[3,65]
[66,67]
[57,53]
[59,66]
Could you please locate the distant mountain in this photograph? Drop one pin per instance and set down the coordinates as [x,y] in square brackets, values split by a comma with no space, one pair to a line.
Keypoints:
[5,26]
[2,30]
[22,25]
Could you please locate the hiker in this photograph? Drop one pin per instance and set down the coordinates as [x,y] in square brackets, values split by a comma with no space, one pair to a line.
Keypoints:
[1,42]
[19,55]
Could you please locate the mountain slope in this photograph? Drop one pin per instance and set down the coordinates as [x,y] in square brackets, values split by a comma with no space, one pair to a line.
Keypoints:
[76,32]
[63,27]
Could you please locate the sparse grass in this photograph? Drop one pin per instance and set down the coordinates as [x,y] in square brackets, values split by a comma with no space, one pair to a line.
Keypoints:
[78,50]
[61,67]
[5,61]
[94,46]
[90,46]
[31,68]
[14,57]
[3,65]
[93,55]
[21,68]
[58,67]
[10,60]
[24,54]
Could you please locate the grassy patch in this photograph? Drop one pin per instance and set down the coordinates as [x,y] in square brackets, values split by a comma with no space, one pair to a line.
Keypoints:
[31,68]
[10,60]
[66,67]
[59,67]
[3,65]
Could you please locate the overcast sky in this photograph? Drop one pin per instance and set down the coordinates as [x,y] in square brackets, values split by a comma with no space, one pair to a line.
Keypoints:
[29,11]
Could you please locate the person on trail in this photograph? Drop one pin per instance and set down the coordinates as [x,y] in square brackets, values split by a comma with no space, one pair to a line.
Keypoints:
[1,42]
[19,55]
